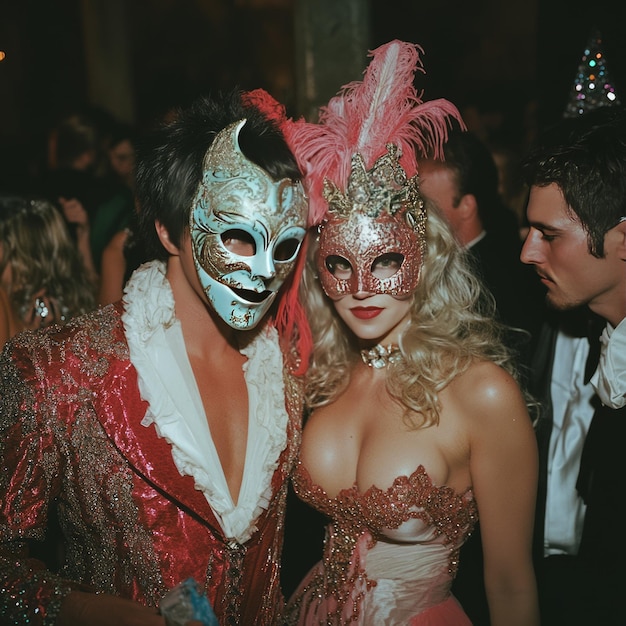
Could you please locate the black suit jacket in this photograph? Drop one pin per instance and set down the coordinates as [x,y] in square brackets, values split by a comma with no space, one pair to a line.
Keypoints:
[589,585]
[518,294]
[602,481]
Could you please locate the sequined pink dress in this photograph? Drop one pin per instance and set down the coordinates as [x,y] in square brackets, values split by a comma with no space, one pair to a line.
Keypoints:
[390,555]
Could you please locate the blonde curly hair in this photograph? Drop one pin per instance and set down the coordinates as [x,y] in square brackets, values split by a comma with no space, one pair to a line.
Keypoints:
[36,245]
[452,325]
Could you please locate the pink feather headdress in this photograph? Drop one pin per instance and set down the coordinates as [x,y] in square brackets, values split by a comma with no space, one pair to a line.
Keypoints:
[364,117]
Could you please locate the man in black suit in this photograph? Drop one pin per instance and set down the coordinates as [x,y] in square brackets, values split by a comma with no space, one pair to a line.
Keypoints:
[577,244]
[580,478]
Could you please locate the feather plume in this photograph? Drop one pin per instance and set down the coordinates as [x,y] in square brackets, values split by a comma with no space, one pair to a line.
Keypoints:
[267,104]
[291,320]
[364,117]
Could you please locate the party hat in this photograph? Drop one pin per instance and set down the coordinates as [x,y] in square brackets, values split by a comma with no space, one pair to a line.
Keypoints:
[592,87]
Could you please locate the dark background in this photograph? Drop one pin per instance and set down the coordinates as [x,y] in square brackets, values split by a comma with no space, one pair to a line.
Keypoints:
[510,63]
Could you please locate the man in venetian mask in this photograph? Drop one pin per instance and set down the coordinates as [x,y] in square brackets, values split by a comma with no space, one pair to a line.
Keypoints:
[162,428]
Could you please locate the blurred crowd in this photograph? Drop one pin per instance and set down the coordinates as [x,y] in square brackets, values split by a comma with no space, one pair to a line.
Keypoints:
[66,244]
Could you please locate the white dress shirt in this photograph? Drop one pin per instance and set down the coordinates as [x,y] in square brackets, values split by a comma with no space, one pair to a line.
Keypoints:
[572,413]
[610,377]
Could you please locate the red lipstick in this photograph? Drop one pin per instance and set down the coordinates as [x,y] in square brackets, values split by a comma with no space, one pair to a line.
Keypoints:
[366,312]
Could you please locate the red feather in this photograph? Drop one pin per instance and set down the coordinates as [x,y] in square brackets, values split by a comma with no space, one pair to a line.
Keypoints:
[267,104]
[290,321]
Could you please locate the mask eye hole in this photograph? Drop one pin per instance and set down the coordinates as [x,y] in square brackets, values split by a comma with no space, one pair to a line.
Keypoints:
[386,265]
[286,250]
[239,242]
[339,267]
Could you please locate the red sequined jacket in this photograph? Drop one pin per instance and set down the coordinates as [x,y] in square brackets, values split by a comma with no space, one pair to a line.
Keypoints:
[70,437]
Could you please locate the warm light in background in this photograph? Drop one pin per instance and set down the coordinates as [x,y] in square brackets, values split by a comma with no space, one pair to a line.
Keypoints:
[2,55]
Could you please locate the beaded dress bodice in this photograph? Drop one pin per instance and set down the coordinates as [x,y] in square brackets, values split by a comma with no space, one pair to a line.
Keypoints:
[389,553]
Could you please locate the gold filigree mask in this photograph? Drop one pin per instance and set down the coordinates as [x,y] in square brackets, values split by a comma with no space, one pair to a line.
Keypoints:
[374,238]
[239,200]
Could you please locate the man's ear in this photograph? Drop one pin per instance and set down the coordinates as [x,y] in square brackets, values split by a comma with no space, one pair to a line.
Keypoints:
[468,207]
[164,238]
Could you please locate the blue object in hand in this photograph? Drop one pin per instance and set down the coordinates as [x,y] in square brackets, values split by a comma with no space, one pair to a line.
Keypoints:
[185,603]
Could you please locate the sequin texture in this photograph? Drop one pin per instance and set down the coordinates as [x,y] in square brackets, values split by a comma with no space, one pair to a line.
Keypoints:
[71,436]
[338,589]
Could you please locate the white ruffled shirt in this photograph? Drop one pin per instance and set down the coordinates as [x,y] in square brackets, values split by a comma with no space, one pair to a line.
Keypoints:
[609,380]
[167,384]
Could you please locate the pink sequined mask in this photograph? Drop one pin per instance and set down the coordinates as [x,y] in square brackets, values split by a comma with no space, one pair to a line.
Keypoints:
[374,238]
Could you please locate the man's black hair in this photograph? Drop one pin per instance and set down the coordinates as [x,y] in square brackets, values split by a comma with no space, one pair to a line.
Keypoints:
[586,157]
[169,161]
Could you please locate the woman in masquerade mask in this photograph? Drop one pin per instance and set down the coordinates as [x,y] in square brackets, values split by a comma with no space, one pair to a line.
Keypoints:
[417,426]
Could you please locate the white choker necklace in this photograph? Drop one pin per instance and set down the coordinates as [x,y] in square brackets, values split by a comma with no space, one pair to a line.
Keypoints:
[380,356]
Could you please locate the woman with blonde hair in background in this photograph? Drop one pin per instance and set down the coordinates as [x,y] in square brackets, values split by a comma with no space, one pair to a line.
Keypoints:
[43,280]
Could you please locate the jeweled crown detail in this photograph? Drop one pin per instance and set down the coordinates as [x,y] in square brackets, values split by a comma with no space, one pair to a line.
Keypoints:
[385,188]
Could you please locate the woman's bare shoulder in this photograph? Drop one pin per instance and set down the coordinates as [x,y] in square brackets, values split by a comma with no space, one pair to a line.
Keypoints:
[489,389]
